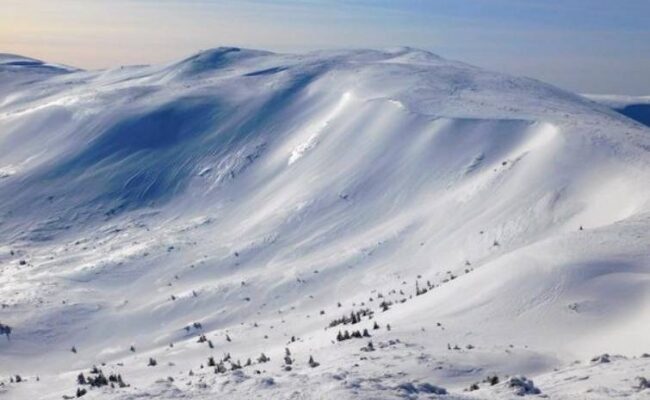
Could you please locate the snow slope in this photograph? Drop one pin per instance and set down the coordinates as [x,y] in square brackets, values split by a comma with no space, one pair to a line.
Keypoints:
[635,107]
[253,197]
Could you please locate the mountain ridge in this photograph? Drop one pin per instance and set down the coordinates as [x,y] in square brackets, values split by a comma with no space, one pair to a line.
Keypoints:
[253,192]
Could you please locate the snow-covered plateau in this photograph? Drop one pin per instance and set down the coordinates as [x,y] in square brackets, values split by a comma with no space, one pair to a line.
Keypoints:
[418,227]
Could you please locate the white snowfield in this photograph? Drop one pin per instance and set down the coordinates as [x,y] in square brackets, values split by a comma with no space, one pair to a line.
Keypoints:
[241,202]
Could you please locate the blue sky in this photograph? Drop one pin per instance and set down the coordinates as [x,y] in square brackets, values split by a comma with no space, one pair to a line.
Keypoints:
[597,46]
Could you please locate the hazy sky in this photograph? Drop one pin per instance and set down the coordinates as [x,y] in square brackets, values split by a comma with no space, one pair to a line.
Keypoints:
[596,46]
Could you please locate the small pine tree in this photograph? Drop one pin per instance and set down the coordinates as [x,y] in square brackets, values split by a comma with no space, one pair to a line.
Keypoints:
[288,360]
[221,368]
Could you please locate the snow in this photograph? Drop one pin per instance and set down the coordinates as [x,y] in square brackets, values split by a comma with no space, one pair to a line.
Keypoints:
[254,192]
[316,129]
[634,107]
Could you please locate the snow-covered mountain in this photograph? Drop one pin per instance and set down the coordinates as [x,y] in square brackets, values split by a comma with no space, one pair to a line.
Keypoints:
[242,202]
[634,107]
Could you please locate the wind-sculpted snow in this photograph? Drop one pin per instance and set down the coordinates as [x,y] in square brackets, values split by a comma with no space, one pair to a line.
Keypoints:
[239,202]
